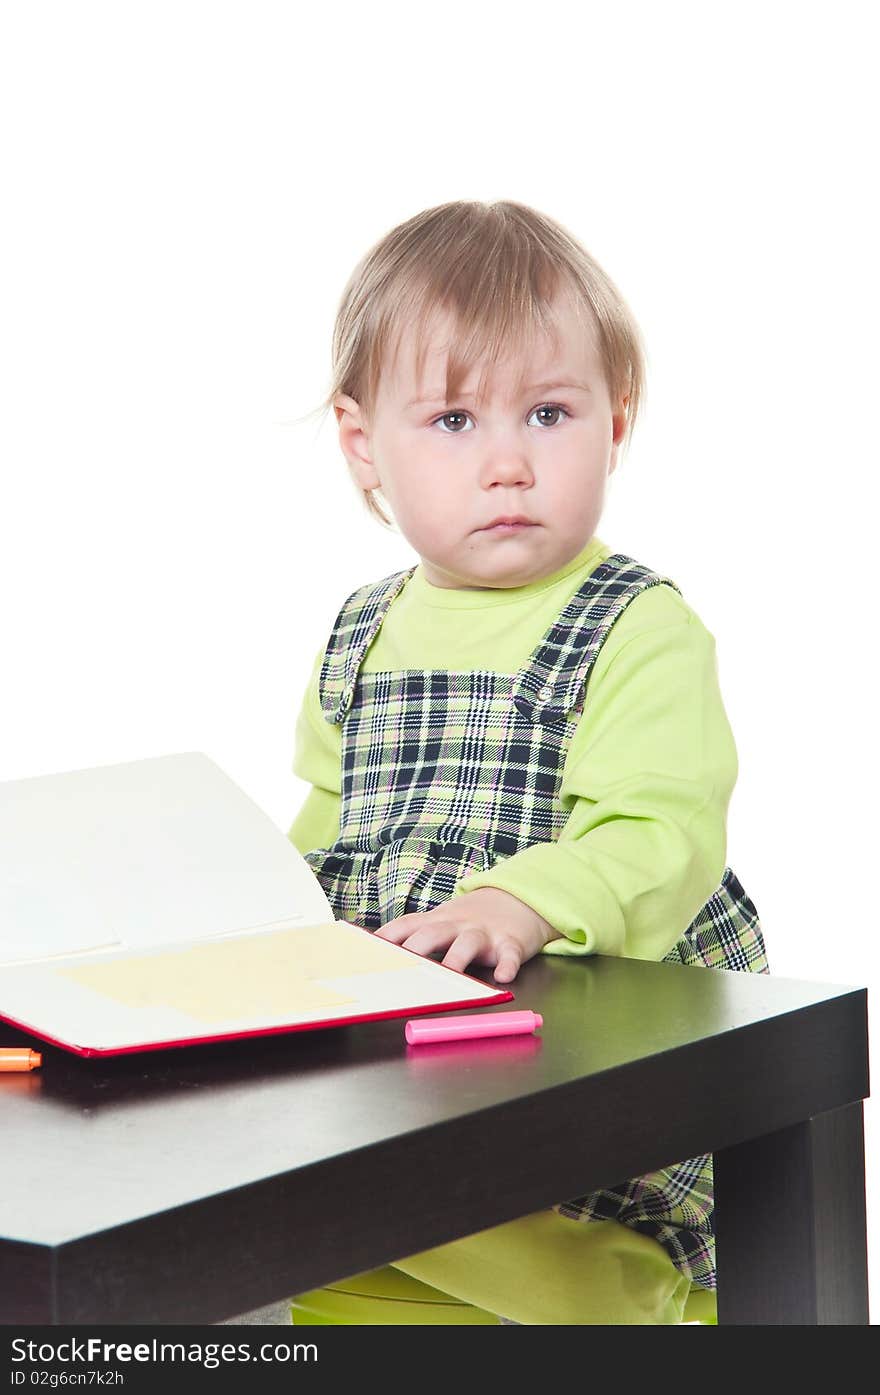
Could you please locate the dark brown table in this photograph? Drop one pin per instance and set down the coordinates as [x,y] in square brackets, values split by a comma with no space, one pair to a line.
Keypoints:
[187,1186]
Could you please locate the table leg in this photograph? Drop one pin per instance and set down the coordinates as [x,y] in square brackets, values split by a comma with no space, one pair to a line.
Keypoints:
[791,1227]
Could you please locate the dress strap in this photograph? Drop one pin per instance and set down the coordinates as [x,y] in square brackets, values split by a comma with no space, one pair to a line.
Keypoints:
[354,630]
[553,681]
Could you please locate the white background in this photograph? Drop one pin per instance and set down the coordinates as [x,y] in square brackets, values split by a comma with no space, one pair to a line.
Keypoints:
[186,188]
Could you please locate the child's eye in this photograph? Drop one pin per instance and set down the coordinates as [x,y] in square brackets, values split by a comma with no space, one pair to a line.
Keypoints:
[550,407]
[449,416]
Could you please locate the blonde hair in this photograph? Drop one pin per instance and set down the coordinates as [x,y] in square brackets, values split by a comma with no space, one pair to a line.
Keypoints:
[494,268]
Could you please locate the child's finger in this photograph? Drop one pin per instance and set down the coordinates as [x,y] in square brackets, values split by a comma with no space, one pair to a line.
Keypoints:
[397,930]
[510,957]
[430,937]
[467,946]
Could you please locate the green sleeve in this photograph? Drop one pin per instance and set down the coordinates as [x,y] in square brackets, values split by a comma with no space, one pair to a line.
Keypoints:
[317,823]
[647,781]
[317,760]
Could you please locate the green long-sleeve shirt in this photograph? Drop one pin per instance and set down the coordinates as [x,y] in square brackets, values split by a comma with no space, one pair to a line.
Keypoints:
[647,779]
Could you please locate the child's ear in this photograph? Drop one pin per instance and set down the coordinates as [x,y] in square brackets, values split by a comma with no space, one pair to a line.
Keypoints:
[354,441]
[618,421]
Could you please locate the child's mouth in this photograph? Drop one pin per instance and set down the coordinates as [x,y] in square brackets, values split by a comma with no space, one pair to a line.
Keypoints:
[508,525]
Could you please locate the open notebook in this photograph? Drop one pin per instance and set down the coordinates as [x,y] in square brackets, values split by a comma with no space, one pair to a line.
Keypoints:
[153,904]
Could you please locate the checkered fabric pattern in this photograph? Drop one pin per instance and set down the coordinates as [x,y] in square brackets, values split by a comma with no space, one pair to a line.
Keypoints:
[444,774]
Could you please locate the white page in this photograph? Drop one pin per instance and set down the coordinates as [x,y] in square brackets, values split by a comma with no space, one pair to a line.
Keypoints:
[271,979]
[144,853]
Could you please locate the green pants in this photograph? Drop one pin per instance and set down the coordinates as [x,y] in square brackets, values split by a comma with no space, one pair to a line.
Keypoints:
[546,1269]
[542,1269]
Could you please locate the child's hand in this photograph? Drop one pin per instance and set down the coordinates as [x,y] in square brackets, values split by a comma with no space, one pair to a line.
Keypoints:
[485,926]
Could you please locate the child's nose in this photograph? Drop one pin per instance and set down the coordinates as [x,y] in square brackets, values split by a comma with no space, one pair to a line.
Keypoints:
[506,464]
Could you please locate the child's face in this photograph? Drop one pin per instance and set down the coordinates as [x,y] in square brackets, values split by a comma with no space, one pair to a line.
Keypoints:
[450,470]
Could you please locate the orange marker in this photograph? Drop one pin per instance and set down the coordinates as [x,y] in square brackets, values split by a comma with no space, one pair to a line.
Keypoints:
[19,1058]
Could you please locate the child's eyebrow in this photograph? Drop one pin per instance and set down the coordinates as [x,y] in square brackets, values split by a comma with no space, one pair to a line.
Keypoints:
[533,387]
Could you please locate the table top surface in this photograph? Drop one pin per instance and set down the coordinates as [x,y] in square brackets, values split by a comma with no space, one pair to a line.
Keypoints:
[92,1144]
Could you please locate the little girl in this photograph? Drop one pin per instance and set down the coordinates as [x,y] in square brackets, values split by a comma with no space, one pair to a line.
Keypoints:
[518,745]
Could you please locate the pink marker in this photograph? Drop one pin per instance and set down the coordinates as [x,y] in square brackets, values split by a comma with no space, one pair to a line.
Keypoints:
[485,1024]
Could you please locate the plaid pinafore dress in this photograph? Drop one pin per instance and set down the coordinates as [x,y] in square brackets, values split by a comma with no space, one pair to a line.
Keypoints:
[444,774]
